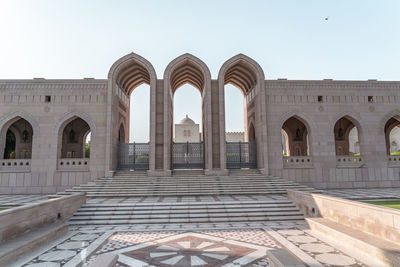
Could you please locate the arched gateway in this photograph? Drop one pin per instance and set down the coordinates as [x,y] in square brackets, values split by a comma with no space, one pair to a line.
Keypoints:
[161,154]
[59,133]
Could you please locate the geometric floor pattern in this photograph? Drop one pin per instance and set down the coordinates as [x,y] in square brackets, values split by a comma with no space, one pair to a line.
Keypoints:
[208,245]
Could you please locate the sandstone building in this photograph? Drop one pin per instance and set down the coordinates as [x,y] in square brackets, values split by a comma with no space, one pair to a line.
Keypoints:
[44,125]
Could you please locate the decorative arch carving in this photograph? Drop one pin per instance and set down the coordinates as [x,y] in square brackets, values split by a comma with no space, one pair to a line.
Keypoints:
[130,71]
[187,69]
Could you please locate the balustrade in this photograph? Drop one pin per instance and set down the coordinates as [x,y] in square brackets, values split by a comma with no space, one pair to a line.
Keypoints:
[15,164]
[297,162]
[349,161]
[72,164]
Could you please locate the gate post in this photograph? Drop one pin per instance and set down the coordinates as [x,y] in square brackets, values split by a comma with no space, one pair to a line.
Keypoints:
[240,154]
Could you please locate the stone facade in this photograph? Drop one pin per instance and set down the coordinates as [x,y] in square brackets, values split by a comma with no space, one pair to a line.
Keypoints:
[49,106]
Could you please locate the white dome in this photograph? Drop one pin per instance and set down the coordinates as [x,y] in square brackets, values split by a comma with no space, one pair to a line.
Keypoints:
[187,121]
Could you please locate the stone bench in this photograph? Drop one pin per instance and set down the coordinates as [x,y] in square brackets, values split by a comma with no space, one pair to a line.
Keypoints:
[368,246]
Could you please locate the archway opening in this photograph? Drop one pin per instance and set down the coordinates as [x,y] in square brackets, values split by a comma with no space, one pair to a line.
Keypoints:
[133,130]
[188,123]
[75,141]
[18,141]
[295,138]
[392,136]
[139,114]
[187,116]
[239,91]
[346,137]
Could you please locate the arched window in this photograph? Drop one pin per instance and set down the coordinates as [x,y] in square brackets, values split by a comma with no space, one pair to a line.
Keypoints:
[76,138]
[18,140]
[392,135]
[295,137]
[346,137]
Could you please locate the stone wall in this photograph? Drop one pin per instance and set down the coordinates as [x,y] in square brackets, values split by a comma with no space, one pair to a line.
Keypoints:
[370,104]
[378,221]
[49,105]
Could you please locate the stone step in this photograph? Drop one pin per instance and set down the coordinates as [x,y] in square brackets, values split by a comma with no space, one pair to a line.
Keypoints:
[185,212]
[195,185]
[182,193]
[149,217]
[183,208]
[188,220]
[192,204]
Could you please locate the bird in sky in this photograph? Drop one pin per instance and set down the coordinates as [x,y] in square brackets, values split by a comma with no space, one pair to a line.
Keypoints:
[327,18]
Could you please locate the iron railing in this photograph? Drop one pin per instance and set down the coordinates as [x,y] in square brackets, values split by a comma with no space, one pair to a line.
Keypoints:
[187,155]
[241,155]
[133,156]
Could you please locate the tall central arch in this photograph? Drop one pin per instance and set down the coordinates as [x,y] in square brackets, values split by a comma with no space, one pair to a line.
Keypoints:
[187,69]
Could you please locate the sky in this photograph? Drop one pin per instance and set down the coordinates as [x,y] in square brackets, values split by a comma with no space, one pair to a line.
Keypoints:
[288,38]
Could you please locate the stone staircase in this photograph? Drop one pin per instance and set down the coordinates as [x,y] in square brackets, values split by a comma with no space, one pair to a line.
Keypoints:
[188,196]
[189,212]
[186,183]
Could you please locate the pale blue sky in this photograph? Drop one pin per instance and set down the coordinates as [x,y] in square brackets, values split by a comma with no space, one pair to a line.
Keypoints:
[289,39]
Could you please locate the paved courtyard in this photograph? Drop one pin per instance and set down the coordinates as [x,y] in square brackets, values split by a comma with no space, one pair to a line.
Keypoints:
[193,244]
[233,244]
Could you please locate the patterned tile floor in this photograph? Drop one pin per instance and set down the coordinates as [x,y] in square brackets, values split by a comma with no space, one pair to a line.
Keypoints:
[203,245]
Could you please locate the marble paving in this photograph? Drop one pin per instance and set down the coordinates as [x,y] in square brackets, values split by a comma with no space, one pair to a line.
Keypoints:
[203,245]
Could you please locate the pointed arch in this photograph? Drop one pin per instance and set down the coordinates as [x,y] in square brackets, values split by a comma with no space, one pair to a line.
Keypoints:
[247,75]
[70,116]
[387,124]
[298,134]
[307,121]
[341,126]
[241,71]
[8,120]
[393,114]
[352,116]
[11,118]
[130,71]
[187,69]
[71,143]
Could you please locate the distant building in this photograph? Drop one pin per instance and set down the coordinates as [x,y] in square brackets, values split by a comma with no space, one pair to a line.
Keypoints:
[234,136]
[187,131]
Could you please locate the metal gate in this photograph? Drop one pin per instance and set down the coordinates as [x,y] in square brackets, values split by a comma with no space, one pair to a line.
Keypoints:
[187,155]
[133,156]
[241,155]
